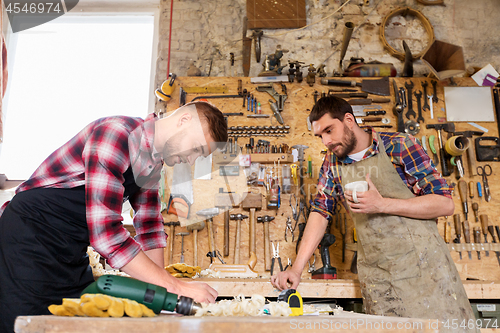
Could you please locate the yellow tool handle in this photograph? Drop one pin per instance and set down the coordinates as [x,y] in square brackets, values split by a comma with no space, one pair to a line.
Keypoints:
[484,223]
[471,189]
[294,174]
[355,237]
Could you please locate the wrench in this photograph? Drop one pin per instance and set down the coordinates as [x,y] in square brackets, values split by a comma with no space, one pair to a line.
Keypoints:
[410,112]
[418,95]
[425,84]
[430,103]
[434,91]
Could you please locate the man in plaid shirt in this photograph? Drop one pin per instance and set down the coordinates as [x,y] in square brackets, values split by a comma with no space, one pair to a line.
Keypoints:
[75,198]
[404,266]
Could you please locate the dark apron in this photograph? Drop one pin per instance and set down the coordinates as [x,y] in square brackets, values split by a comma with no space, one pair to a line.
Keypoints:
[43,250]
[404,266]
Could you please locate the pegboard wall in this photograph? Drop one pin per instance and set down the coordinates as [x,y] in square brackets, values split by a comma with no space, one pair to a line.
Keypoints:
[296,109]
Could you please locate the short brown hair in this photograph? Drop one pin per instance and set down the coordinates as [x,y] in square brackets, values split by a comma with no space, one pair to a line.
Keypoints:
[217,124]
[336,107]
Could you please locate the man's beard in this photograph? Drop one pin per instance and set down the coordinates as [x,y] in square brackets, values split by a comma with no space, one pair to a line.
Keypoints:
[348,143]
[170,148]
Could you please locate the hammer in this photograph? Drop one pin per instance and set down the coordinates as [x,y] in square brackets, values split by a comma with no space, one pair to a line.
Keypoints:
[448,127]
[224,201]
[237,218]
[267,243]
[470,151]
[171,234]
[182,234]
[195,227]
[209,214]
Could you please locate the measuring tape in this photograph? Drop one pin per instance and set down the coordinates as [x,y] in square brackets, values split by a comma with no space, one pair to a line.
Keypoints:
[294,300]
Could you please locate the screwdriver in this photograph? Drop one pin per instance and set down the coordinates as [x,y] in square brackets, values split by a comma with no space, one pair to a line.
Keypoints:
[458,231]
[475,209]
[484,225]
[462,189]
[477,239]
[471,190]
[467,236]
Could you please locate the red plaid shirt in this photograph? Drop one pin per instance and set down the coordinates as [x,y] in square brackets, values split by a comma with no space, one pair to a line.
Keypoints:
[97,157]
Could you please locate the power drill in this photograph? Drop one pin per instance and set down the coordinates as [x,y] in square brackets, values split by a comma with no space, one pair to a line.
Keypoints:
[154,297]
[327,271]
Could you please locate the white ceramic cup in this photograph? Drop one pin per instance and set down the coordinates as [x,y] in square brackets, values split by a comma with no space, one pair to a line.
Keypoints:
[356,187]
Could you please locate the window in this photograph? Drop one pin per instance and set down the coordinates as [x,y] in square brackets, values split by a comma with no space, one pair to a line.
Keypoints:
[68,72]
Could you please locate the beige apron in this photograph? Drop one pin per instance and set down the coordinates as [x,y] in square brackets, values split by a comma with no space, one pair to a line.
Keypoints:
[404,266]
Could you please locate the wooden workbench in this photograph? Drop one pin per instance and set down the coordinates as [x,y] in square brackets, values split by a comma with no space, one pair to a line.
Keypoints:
[344,322]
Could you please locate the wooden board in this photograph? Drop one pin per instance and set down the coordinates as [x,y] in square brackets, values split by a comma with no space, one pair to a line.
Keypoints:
[352,322]
[296,109]
[339,288]
[265,14]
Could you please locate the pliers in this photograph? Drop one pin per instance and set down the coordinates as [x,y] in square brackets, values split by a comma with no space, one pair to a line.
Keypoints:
[276,255]
[298,208]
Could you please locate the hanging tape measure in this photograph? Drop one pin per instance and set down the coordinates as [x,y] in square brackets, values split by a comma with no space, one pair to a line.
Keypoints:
[294,300]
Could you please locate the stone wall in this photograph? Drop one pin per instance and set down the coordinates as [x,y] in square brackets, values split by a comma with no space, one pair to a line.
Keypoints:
[207,31]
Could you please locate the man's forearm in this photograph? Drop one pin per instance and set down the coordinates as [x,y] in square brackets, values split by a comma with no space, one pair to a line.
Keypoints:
[428,206]
[157,256]
[313,233]
[143,268]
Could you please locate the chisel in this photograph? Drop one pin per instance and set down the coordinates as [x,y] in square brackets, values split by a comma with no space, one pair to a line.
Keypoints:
[484,225]
[368,101]
[458,231]
[447,231]
[462,189]
[467,236]
[492,233]
[477,239]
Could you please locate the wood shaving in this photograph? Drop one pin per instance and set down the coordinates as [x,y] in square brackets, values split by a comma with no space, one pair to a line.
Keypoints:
[321,309]
[241,306]
[97,269]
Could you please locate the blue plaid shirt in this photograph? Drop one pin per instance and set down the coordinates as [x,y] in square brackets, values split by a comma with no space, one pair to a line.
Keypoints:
[408,157]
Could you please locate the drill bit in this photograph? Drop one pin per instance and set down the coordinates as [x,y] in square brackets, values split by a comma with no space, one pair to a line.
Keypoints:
[458,231]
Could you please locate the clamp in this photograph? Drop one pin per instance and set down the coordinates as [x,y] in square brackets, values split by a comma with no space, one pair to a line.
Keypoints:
[279,98]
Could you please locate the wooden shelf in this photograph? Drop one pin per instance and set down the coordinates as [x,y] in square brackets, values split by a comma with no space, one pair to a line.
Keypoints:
[219,158]
[330,288]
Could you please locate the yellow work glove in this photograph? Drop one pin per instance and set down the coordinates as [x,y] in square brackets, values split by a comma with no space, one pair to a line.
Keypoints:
[98,305]
[182,270]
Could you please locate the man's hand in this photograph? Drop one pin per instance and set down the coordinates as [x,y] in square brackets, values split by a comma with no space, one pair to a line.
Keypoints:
[370,202]
[286,280]
[199,291]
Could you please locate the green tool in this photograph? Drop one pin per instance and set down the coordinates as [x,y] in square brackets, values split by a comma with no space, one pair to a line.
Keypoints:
[309,167]
[154,297]
[433,149]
